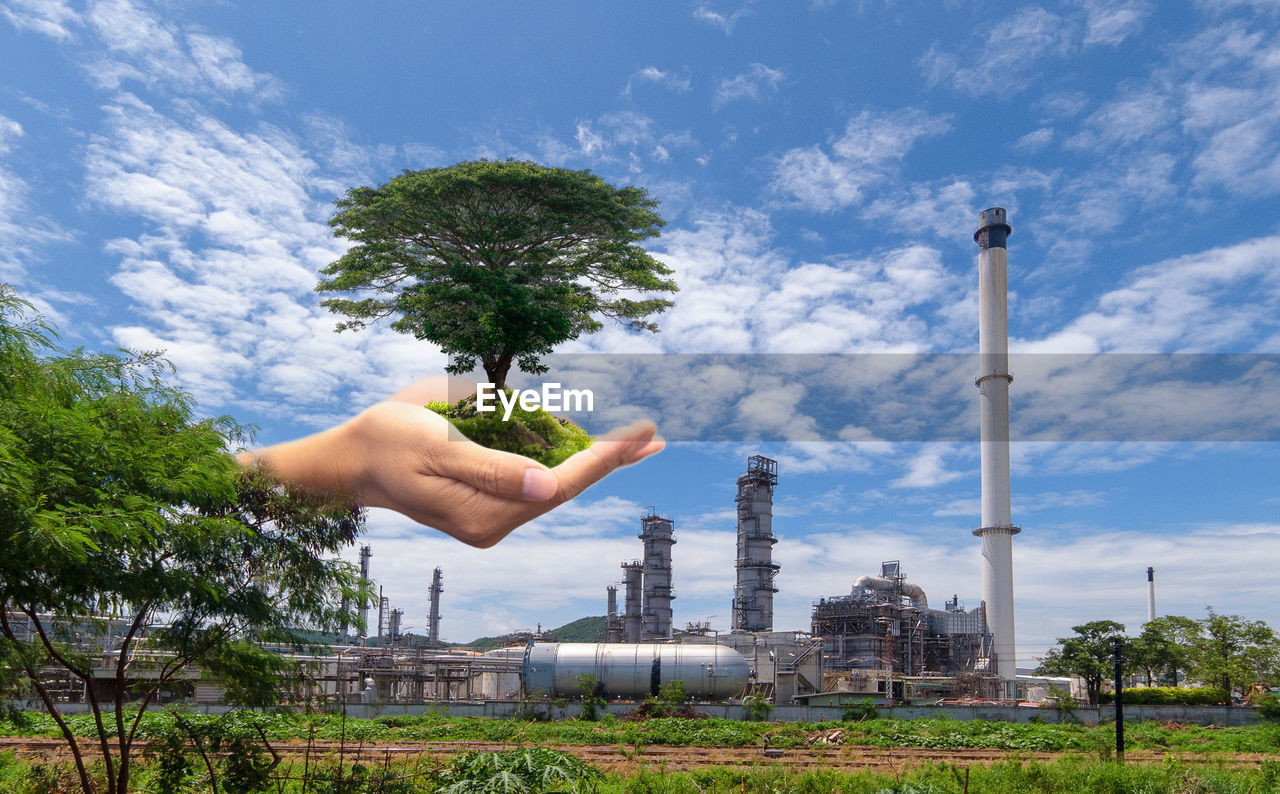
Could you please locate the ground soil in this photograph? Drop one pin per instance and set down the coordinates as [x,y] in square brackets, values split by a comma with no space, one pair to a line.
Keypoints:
[627,760]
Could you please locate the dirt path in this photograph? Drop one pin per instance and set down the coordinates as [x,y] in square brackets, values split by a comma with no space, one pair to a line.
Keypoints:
[625,759]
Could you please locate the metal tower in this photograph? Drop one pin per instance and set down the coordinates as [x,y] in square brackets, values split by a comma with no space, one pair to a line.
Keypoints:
[613,628]
[365,554]
[657,534]
[753,595]
[632,585]
[433,618]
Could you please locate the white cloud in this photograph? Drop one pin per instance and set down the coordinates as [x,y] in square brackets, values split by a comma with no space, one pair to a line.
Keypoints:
[1034,141]
[757,84]
[24,233]
[927,469]
[136,46]
[1187,304]
[679,83]
[236,237]
[867,153]
[1004,63]
[1111,22]
[724,22]
[52,18]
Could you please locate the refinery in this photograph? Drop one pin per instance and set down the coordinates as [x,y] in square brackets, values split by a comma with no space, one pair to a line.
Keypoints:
[881,639]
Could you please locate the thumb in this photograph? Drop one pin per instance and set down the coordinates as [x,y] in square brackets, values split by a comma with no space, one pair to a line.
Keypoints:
[502,474]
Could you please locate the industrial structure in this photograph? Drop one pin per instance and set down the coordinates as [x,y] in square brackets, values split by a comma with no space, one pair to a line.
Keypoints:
[753,594]
[433,615]
[993,381]
[614,629]
[633,592]
[365,554]
[657,533]
[884,630]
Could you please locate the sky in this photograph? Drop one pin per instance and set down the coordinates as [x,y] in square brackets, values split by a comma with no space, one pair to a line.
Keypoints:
[167,171]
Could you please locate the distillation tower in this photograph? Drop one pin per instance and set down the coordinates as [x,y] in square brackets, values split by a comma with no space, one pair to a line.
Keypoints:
[433,616]
[633,594]
[753,594]
[365,554]
[658,536]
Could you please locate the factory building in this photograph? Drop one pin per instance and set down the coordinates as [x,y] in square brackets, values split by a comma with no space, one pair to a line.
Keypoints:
[885,625]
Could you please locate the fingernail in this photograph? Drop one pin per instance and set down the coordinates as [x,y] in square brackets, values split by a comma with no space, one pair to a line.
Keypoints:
[539,484]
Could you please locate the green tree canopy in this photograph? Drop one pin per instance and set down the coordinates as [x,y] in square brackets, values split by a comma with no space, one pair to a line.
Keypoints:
[1232,652]
[1087,654]
[497,261]
[133,540]
[1166,647]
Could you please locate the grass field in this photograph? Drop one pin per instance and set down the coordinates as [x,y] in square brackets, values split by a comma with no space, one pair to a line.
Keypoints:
[428,753]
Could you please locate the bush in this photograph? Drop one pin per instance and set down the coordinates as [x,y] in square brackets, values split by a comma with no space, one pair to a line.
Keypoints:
[1268,707]
[1170,696]
[859,712]
[755,708]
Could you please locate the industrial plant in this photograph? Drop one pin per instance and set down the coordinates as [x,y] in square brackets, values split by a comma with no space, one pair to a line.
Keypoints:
[881,639]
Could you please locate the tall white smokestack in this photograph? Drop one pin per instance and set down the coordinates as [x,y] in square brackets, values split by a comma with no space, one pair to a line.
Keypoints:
[993,381]
[1151,594]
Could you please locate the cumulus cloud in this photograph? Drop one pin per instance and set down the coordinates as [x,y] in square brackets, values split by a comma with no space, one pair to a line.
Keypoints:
[868,152]
[236,236]
[757,84]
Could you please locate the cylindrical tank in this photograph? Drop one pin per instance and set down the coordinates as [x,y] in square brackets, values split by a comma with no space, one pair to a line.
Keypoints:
[634,670]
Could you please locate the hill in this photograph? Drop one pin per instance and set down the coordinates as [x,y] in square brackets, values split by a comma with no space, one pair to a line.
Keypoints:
[581,630]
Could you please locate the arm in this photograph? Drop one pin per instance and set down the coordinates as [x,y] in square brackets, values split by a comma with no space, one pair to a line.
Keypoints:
[398,455]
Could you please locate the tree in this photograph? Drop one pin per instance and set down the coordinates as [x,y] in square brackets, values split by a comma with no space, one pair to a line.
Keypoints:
[1232,652]
[497,261]
[136,550]
[1088,655]
[1165,647]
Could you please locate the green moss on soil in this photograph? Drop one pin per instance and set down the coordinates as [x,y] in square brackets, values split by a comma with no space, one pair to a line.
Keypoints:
[536,434]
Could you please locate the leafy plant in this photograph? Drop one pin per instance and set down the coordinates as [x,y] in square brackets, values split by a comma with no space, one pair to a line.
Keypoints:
[756,708]
[523,771]
[859,712]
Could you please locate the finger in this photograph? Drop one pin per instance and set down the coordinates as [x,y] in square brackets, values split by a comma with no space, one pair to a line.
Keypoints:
[501,474]
[619,448]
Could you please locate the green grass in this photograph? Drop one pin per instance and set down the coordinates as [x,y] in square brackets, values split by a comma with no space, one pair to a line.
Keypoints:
[927,733]
[564,438]
[535,771]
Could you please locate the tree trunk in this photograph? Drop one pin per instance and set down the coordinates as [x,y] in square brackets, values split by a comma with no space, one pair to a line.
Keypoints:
[496,368]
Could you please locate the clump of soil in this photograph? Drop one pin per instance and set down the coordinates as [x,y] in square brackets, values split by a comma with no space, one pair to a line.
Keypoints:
[536,434]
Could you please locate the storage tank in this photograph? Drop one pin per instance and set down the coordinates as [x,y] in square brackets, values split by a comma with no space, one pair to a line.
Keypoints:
[634,670]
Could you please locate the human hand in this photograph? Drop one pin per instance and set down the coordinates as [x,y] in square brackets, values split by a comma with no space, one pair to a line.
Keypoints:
[398,455]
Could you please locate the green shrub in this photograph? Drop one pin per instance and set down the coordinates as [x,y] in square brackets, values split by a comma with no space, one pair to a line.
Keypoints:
[1170,696]
[756,708]
[859,712]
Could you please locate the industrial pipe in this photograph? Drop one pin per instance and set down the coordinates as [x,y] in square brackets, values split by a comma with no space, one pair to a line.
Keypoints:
[880,584]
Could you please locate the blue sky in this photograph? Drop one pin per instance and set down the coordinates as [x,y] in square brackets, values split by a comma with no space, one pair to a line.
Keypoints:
[166,171]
